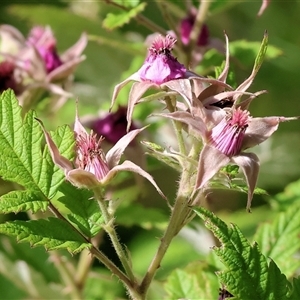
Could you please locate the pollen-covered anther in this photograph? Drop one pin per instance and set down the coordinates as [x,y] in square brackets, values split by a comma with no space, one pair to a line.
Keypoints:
[228,135]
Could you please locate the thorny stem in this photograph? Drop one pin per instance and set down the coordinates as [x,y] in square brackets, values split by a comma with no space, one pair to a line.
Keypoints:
[177,127]
[109,228]
[199,21]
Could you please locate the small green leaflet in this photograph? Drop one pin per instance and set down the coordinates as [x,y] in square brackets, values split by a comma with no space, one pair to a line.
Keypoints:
[51,233]
[248,274]
[113,21]
[23,161]
[85,212]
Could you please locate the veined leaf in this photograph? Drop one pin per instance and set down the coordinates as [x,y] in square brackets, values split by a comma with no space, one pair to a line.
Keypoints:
[17,201]
[113,21]
[22,159]
[52,233]
[280,239]
[85,212]
[248,274]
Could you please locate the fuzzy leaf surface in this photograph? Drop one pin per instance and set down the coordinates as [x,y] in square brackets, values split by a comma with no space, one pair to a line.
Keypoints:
[84,210]
[22,159]
[280,239]
[244,263]
[51,233]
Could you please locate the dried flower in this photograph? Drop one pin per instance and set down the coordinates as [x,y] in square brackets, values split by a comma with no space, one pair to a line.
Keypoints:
[186,26]
[92,166]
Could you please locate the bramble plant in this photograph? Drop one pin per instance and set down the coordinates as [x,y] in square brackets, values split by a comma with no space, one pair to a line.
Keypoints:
[121,199]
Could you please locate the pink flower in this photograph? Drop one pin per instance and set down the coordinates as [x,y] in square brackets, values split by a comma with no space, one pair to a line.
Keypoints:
[161,66]
[92,167]
[229,134]
[162,71]
[38,66]
[186,26]
[227,141]
[45,43]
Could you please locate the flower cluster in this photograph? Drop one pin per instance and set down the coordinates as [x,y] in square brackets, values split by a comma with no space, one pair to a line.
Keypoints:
[32,65]
[216,114]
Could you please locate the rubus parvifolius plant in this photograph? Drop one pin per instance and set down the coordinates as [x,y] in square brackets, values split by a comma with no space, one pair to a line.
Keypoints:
[79,187]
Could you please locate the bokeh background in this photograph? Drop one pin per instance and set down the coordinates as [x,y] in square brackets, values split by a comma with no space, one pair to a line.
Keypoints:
[109,56]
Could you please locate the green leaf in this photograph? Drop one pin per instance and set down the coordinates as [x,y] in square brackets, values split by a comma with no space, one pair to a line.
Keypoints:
[113,21]
[197,281]
[17,201]
[127,3]
[84,209]
[288,197]
[295,294]
[162,155]
[22,159]
[51,233]
[248,274]
[280,239]
[181,285]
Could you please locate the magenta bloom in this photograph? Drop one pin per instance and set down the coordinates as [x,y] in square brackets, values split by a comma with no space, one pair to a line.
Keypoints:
[7,79]
[186,27]
[112,126]
[45,43]
[228,135]
[160,65]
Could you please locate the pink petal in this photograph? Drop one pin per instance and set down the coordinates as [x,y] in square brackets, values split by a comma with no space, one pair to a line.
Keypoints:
[76,50]
[136,92]
[183,88]
[78,127]
[195,124]
[58,159]
[249,163]
[131,167]
[65,70]
[264,5]
[261,129]
[82,179]
[210,162]
[113,156]
[118,87]
[223,76]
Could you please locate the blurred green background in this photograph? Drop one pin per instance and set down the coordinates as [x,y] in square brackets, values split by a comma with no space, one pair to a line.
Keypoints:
[107,61]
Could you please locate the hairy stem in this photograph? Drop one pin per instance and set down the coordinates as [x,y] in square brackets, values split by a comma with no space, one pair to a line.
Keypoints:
[179,213]
[110,229]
